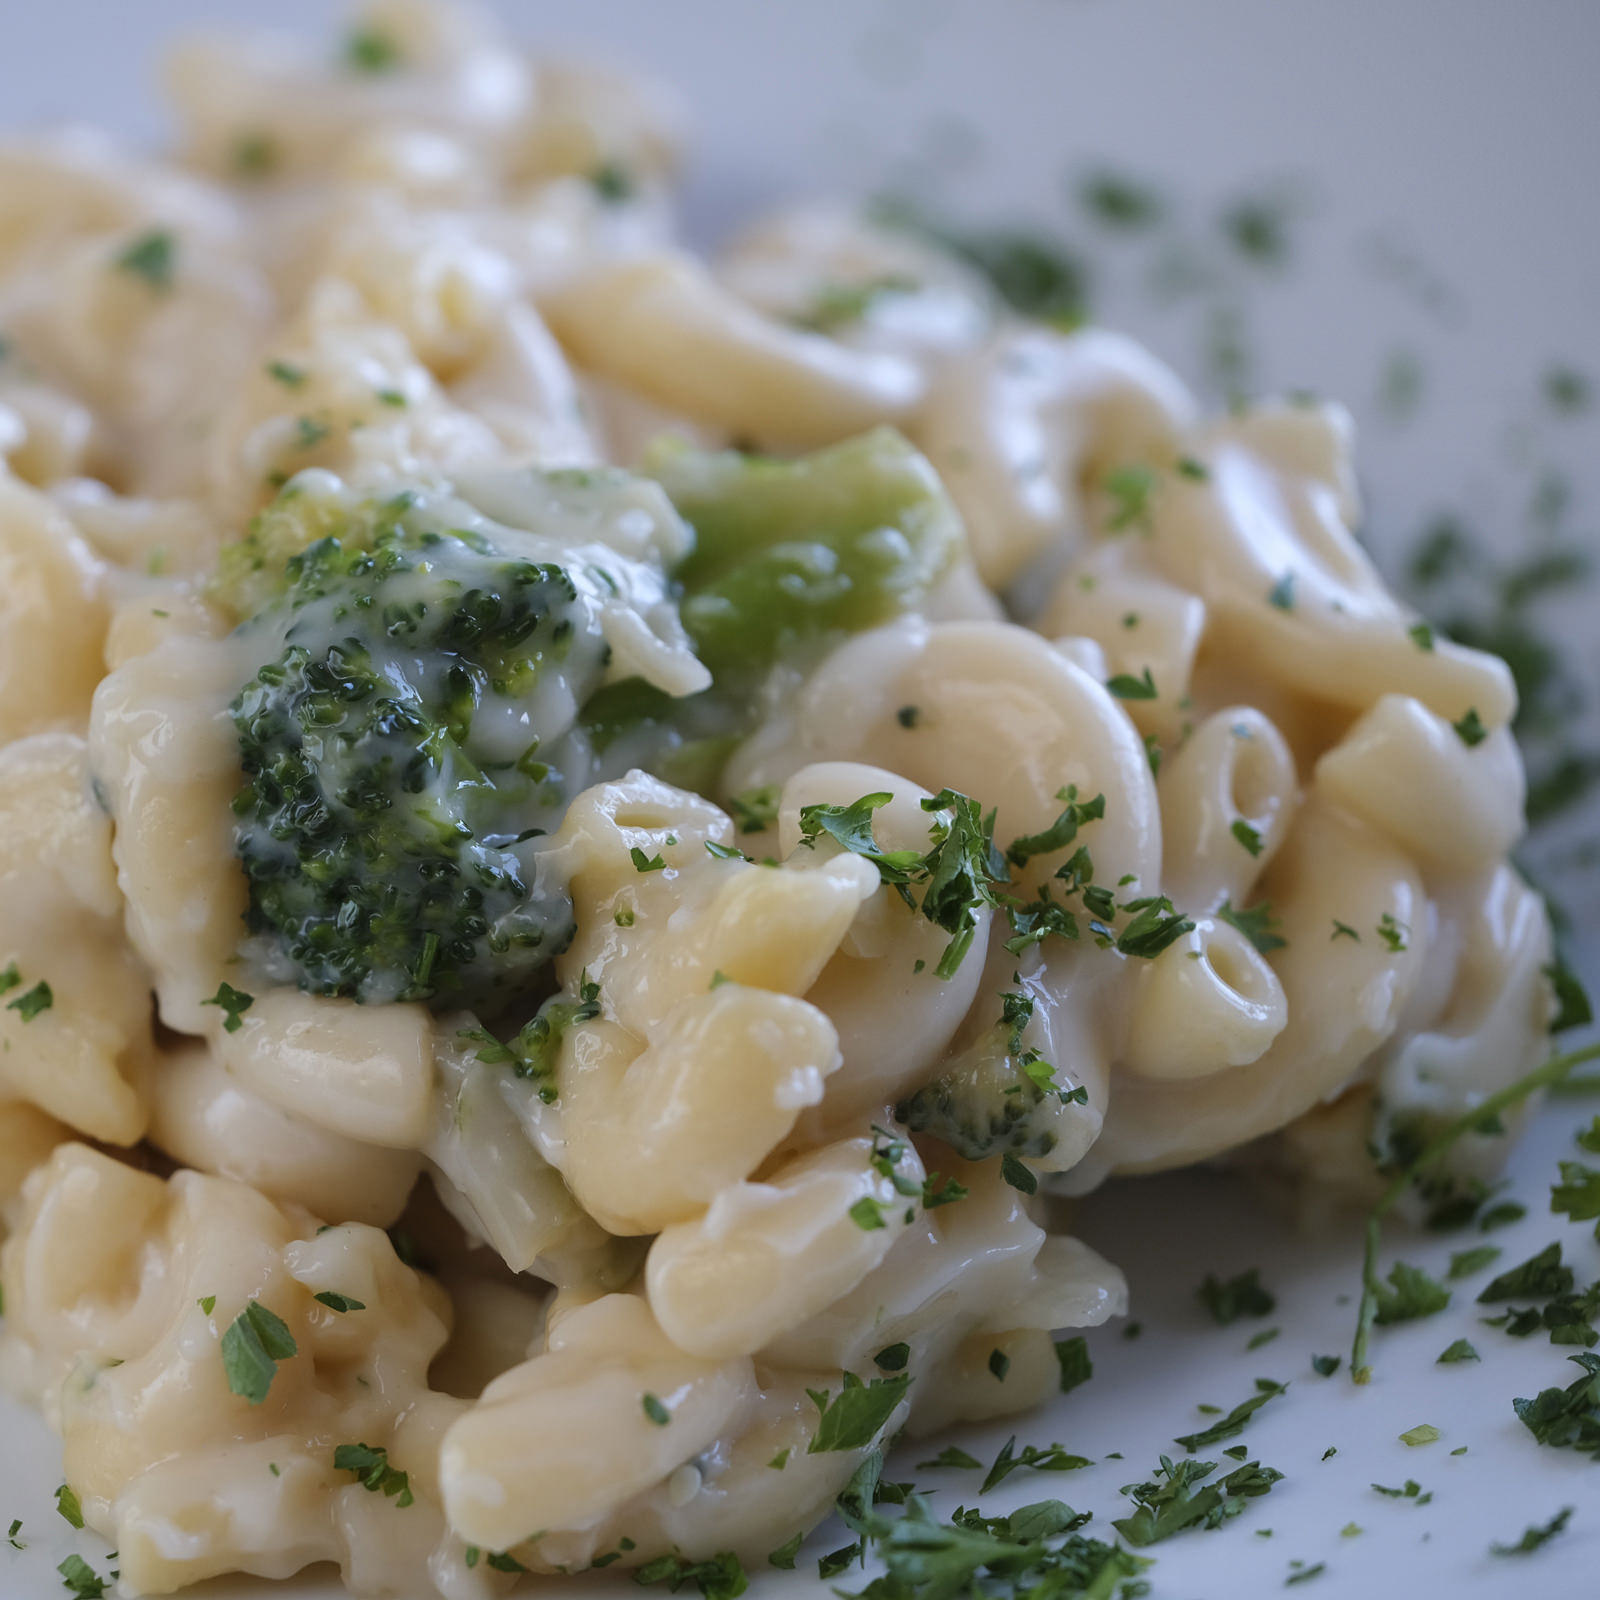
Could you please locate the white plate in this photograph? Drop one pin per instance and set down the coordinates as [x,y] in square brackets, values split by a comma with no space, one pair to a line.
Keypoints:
[1424,152]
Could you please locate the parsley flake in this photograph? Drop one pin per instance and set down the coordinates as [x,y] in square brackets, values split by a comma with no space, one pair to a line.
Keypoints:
[235,1002]
[253,1345]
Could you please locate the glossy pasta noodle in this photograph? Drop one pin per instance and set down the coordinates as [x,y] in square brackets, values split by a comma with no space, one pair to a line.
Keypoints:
[587,834]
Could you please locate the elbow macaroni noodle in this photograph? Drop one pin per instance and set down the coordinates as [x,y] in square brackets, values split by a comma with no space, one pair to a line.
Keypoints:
[705,1179]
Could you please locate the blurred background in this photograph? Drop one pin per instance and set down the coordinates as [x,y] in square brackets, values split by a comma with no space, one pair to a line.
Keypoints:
[1388,201]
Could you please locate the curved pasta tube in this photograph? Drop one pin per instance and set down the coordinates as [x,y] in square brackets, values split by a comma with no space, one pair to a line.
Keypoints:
[653,1135]
[204,1117]
[662,325]
[875,287]
[1000,715]
[75,1017]
[362,1071]
[586,116]
[53,615]
[893,1013]
[1142,624]
[1018,428]
[1290,594]
[1345,998]
[45,435]
[1457,808]
[981,1263]
[460,77]
[1491,1028]
[560,1441]
[963,1386]
[766,1256]
[1228,798]
[1208,1002]
[162,747]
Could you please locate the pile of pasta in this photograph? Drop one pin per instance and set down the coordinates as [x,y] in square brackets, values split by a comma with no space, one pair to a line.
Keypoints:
[608,1323]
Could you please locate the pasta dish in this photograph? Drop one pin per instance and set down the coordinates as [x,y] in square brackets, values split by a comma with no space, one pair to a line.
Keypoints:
[597,840]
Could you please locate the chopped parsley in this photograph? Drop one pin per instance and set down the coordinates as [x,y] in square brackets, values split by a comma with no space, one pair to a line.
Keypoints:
[1129,489]
[253,1345]
[655,1411]
[1567,1419]
[1325,1366]
[338,1302]
[1392,933]
[1539,1277]
[999,1364]
[371,50]
[1124,686]
[152,257]
[1256,923]
[1459,1350]
[67,1504]
[1470,729]
[755,810]
[1229,1299]
[1463,1263]
[1423,1433]
[370,1464]
[81,1579]
[1247,836]
[856,1415]
[950,1457]
[783,1556]
[1174,1500]
[613,182]
[1235,1421]
[1050,1458]
[234,1002]
[1535,1535]
[291,377]
[29,1004]
[1072,1355]
[1282,593]
[1018,1174]
[719,1578]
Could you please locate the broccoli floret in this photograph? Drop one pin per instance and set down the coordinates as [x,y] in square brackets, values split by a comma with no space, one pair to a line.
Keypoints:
[396,785]
[791,553]
[983,1105]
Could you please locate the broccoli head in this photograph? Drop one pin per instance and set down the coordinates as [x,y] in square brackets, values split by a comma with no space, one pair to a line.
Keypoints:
[400,770]
[997,1096]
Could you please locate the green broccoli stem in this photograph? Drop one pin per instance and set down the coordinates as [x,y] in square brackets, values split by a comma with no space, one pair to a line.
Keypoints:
[1552,1072]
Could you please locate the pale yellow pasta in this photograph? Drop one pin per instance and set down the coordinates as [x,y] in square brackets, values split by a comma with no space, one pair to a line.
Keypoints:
[663,326]
[1018,427]
[1228,797]
[81,1056]
[966,1388]
[893,1013]
[1455,807]
[53,611]
[27,1136]
[1208,1002]
[204,1117]
[565,1438]
[767,1255]
[47,435]
[161,745]
[1345,998]
[1142,624]
[362,1071]
[959,1268]
[586,117]
[865,284]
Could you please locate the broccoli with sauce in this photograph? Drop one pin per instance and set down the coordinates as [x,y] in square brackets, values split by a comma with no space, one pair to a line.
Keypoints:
[396,746]
[985,1104]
